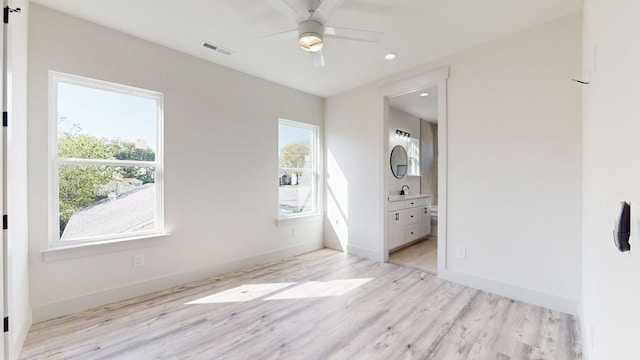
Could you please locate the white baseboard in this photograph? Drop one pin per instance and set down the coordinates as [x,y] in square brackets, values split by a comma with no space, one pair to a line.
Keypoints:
[365,253]
[72,305]
[334,245]
[16,346]
[550,301]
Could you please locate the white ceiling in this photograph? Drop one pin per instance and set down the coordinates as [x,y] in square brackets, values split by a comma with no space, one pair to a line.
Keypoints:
[424,107]
[417,30]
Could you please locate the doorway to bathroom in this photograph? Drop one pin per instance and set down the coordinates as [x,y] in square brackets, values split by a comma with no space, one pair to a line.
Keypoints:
[415,119]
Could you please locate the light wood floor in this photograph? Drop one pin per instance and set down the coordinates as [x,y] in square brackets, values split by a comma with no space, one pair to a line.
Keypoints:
[422,255]
[320,305]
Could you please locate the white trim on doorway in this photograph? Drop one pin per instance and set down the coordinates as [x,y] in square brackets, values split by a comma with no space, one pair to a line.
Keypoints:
[436,77]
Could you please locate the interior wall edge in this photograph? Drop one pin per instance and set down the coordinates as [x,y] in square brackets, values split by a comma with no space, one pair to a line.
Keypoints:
[72,305]
[21,336]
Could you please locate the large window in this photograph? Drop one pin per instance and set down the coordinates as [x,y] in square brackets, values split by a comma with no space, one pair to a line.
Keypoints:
[106,159]
[297,169]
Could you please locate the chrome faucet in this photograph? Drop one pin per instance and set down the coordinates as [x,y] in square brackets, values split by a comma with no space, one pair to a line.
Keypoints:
[402,191]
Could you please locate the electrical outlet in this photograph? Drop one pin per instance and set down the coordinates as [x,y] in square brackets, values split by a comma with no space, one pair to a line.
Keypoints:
[138,260]
[462,252]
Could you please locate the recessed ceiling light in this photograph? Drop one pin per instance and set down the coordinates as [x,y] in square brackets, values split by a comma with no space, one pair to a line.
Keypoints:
[390,56]
[424,94]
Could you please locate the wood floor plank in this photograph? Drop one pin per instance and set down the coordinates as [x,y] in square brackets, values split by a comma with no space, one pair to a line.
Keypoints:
[409,303]
[423,255]
[181,317]
[569,343]
[331,306]
[482,352]
[315,312]
[507,337]
[424,340]
[466,328]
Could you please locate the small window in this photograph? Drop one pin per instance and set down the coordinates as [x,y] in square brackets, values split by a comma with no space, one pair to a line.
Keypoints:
[413,157]
[107,160]
[297,169]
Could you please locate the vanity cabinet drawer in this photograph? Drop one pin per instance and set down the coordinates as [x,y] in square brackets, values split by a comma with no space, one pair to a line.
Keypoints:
[417,202]
[410,233]
[410,216]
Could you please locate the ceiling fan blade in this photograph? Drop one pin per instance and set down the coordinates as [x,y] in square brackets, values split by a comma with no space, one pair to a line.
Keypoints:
[326,8]
[352,34]
[318,58]
[287,10]
[282,36]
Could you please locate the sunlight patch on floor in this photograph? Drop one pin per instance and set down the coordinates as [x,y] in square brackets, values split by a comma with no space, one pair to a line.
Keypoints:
[314,289]
[241,293]
[310,289]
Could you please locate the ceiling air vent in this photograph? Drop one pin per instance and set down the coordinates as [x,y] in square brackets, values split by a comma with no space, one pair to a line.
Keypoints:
[217,48]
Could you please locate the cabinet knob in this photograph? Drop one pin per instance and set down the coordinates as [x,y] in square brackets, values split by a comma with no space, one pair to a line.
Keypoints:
[411,203]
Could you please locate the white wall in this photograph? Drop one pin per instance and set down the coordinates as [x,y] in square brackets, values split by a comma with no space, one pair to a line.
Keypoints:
[404,121]
[514,163]
[221,129]
[354,170]
[611,289]
[18,232]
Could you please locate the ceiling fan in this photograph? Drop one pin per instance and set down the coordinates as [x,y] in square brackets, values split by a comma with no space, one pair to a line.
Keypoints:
[311,30]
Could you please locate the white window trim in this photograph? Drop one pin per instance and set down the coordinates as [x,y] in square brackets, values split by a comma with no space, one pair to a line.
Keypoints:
[53,204]
[283,219]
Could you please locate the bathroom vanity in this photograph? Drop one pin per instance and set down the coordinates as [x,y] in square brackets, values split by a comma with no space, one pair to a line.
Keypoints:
[408,219]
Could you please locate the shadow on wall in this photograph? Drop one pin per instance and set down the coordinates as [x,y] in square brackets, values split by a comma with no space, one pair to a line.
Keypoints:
[337,203]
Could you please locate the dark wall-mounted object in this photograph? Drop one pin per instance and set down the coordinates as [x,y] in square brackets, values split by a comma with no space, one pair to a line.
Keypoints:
[622,227]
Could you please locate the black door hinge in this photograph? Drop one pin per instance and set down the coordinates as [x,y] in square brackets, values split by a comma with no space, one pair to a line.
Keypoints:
[5,222]
[5,119]
[7,11]
[6,324]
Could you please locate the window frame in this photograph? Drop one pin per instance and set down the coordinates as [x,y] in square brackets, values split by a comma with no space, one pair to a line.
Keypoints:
[314,170]
[55,161]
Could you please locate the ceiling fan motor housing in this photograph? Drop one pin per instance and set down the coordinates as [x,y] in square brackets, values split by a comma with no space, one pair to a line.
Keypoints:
[310,35]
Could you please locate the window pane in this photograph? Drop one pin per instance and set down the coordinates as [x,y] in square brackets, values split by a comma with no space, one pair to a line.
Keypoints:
[297,169]
[105,200]
[295,145]
[101,124]
[296,191]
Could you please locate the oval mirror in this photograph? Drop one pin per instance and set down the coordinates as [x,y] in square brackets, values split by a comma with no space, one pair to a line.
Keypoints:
[399,161]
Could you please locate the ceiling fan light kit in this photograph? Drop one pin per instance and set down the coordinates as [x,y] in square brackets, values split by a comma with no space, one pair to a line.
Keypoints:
[311,29]
[310,35]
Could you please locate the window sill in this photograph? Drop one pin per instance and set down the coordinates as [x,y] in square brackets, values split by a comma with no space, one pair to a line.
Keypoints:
[298,219]
[102,247]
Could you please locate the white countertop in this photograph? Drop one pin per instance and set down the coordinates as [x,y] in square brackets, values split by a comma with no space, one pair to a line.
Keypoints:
[406,197]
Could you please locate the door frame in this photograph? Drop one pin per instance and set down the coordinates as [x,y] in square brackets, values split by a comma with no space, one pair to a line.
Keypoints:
[438,78]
